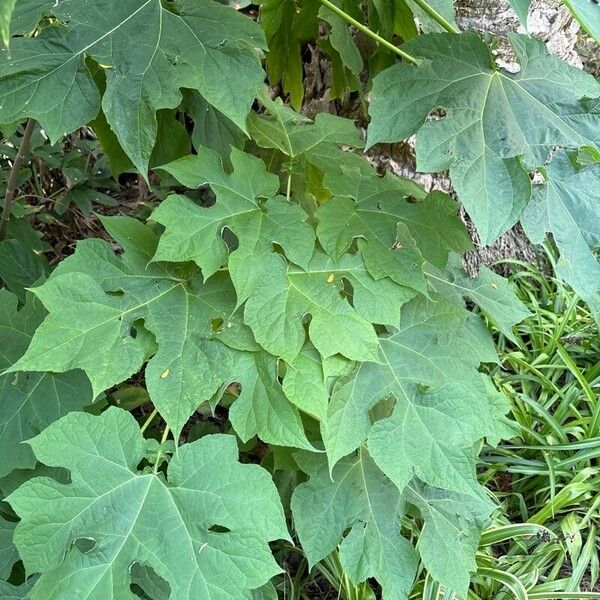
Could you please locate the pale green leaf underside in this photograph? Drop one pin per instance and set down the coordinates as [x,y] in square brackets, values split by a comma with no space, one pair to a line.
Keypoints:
[148,53]
[497,125]
[130,517]
[568,207]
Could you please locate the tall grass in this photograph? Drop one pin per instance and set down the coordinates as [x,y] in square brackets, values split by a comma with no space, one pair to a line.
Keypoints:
[549,473]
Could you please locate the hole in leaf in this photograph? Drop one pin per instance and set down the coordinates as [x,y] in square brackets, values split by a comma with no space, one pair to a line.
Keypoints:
[84,544]
[229,238]
[436,114]
[219,529]
[537,177]
[146,583]
[216,325]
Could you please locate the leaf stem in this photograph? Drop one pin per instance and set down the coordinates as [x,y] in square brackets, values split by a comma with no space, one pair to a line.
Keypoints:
[165,435]
[13,178]
[289,186]
[436,16]
[338,11]
[148,421]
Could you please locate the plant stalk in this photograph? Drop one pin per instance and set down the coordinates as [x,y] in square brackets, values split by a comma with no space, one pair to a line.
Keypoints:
[338,11]
[148,421]
[435,15]
[13,177]
[159,454]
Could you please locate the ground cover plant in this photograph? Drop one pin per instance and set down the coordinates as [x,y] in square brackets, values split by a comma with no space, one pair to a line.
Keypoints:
[279,358]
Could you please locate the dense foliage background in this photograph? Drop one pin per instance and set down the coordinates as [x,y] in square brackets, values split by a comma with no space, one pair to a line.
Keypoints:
[240,359]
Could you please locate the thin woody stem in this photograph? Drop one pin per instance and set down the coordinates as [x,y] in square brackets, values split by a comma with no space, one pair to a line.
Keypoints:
[13,178]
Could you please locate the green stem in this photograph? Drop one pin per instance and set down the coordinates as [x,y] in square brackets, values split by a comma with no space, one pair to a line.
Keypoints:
[13,178]
[338,11]
[435,15]
[165,435]
[289,185]
[148,421]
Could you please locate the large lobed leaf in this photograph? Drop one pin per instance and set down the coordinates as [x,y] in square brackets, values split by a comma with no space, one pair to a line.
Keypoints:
[148,53]
[204,529]
[108,315]
[359,508]
[497,125]
[567,205]
[29,402]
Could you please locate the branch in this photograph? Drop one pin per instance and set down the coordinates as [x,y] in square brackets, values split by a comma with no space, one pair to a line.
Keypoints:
[11,185]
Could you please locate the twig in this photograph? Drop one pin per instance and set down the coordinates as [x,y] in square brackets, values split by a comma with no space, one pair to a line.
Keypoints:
[11,184]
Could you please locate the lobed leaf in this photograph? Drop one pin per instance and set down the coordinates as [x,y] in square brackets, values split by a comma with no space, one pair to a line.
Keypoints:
[497,126]
[148,53]
[29,402]
[204,528]
[358,508]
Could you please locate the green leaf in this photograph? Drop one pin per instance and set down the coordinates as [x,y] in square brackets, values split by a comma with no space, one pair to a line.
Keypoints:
[8,552]
[13,592]
[148,53]
[309,378]
[6,10]
[96,302]
[567,207]
[262,408]
[295,136]
[246,205]
[287,26]
[428,24]
[431,435]
[212,129]
[29,402]
[21,266]
[265,592]
[378,209]
[434,347]
[342,42]
[193,342]
[588,15]
[304,150]
[360,500]
[205,526]
[282,295]
[450,535]
[497,125]
[521,7]
[491,292]
[27,15]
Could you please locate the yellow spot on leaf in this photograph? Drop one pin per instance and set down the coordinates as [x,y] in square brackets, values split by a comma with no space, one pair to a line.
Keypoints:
[330,278]
[165,374]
